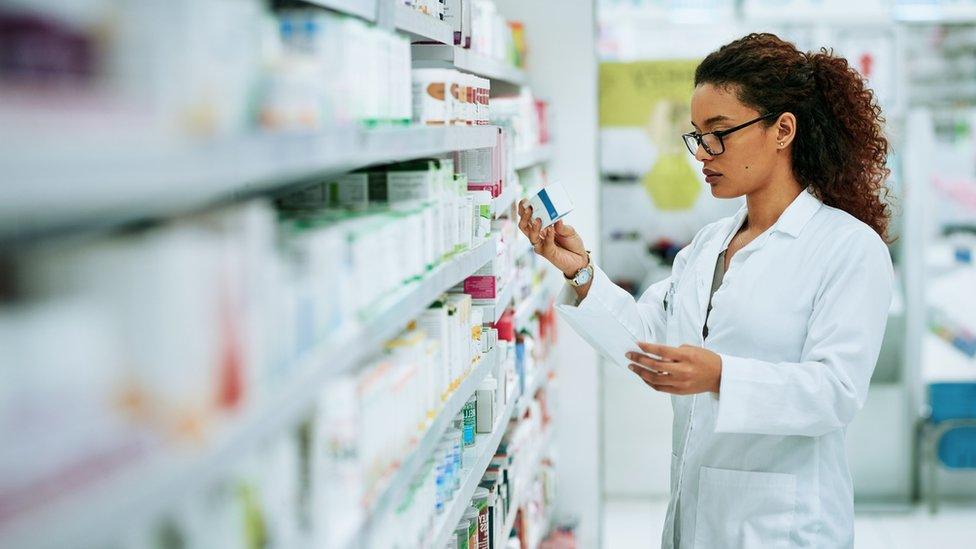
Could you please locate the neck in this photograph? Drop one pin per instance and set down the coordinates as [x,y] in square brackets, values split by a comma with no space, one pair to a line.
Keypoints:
[767,203]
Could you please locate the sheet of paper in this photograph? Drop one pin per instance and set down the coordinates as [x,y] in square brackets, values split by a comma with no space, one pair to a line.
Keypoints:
[610,338]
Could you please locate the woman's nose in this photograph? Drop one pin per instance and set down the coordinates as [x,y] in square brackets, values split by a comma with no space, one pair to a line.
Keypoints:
[701,154]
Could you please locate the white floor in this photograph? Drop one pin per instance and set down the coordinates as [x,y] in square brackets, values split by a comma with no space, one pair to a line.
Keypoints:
[636,524]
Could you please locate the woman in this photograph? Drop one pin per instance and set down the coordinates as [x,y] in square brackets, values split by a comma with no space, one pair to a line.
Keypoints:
[767,332]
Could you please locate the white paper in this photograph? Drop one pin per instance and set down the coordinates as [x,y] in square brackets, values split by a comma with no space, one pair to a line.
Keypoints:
[610,338]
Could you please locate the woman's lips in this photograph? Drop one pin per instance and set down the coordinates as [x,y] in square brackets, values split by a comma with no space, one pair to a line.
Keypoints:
[711,177]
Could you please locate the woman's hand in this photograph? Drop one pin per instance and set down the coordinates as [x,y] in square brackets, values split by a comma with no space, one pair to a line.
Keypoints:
[685,370]
[558,243]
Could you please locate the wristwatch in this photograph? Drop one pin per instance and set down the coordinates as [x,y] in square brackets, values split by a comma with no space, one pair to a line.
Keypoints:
[582,276]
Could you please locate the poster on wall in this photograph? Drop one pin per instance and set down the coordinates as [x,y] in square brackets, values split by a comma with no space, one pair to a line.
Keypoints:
[649,100]
[654,196]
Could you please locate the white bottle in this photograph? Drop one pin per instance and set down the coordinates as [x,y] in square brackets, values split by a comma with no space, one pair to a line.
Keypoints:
[486,404]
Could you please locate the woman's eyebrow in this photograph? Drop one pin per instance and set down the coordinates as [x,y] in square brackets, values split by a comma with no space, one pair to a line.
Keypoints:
[717,119]
[712,120]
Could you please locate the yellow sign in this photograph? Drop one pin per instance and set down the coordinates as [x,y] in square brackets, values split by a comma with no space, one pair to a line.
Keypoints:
[630,91]
[654,96]
[672,184]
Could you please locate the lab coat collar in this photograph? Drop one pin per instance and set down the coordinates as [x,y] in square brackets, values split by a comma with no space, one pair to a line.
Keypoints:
[797,214]
[791,221]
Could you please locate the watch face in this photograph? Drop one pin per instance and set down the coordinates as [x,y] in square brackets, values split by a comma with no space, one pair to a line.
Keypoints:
[582,277]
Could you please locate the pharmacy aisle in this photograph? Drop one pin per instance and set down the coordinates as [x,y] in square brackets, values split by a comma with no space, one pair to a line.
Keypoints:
[266,288]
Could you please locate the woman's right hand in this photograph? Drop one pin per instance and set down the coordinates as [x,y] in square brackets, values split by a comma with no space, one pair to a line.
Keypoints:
[558,243]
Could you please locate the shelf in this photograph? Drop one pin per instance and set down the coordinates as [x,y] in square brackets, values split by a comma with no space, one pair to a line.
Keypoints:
[425,447]
[504,201]
[538,297]
[94,187]
[99,514]
[922,12]
[539,155]
[534,462]
[540,379]
[365,9]
[440,56]
[485,449]
[504,299]
[522,245]
[422,27]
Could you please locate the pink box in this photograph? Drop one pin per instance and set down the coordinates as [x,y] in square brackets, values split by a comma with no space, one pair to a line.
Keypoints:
[481,287]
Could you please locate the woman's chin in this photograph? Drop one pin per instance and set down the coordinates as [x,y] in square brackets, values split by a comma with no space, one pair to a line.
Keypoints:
[719,191]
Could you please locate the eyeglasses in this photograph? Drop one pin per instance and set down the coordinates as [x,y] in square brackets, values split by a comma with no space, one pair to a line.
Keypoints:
[713,141]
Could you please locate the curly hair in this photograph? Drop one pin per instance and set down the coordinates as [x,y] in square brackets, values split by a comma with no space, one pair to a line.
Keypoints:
[840,149]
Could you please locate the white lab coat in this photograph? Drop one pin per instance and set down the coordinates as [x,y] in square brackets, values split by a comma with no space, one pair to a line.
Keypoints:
[798,322]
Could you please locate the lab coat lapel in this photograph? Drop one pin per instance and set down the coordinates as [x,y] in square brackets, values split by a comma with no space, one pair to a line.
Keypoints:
[705,267]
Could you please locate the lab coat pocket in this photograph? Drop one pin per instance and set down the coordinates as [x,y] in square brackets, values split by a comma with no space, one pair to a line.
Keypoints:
[742,509]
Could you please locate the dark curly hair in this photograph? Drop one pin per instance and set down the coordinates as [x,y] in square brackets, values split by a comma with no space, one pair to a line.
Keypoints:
[840,149]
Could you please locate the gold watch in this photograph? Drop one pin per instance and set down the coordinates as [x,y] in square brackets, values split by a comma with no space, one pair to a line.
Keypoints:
[582,276]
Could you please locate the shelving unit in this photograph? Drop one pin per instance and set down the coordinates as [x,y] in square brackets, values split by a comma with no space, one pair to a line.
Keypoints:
[522,246]
[94,188]
[539,381]
[485,450]
[534,461]
[504,201]
[118,180]
[536,156]
[365,9]
[503,300]
[538,297]
[422,27]
[453,57]
[412,464]
[93,516]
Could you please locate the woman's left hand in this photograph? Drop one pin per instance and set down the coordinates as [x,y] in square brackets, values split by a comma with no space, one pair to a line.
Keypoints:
[685,370]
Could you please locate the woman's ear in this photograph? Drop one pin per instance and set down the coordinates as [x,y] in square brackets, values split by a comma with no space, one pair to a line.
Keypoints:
[785,130]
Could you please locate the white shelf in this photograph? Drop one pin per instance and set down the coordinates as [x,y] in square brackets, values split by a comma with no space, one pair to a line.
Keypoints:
[540,379]
[928,13]
[439,56]
[106,186]
[504,299]
[537,298]
[422,27]
[539,155]
[522,245]
[534,461]
[98,514]
[504,201]
[485,449]
[365,9]
[412,464]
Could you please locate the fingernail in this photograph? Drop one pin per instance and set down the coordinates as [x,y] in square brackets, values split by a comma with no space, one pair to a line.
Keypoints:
[631,356]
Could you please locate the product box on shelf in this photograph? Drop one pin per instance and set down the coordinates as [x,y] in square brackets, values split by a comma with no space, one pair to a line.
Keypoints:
[484,167]
[448,97]
[335,471]
[332,69]
[457,13]
[171,294]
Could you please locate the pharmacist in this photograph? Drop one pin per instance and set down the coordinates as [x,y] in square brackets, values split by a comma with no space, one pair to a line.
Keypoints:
[768,329]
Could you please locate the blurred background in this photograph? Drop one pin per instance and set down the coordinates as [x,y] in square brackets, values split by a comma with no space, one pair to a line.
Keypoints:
[261,285]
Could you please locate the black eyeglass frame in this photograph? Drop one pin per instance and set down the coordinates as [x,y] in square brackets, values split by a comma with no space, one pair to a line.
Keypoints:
[720,134]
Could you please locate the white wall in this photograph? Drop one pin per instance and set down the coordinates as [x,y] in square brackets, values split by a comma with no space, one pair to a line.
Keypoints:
[561,39]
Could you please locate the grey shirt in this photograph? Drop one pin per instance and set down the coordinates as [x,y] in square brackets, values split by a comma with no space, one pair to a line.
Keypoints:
[716,283]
